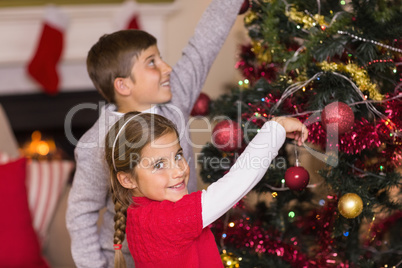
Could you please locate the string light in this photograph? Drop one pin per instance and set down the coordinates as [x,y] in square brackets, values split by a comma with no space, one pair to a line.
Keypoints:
[378,61]
[291,214]
[370,41]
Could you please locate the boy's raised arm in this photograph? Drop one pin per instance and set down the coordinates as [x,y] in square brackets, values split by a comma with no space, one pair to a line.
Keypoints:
[191,70]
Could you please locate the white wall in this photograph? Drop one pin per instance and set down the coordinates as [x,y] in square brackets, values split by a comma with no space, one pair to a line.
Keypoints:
[173,25]
[180,26]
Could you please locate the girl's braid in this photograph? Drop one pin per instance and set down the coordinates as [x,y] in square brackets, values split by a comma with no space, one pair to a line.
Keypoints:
[119,232]
[119,222]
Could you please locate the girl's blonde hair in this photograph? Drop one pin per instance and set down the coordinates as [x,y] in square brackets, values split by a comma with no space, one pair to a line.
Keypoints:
[123,145]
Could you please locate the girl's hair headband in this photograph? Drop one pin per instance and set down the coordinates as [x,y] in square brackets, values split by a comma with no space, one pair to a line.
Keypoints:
[117,136]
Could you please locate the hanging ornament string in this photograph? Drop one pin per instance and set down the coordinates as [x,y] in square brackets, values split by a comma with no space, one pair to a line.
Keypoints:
[376,101]
[293,58]
[357,73]
[370,41]
[368,104]
[292,89]
[335,17]
[296,154]
[350,104]
[297,86]
[365,173]
[319,7]
[284,188]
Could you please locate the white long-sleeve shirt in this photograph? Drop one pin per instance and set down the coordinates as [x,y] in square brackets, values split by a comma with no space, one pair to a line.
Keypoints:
[248,170]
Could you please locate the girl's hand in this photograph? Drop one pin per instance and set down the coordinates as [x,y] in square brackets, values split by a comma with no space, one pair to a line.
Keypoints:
[294,128]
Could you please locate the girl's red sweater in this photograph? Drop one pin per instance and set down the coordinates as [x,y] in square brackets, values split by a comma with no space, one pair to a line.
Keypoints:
[167,234]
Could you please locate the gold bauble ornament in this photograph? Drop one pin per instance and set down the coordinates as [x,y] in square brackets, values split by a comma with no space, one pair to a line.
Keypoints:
[230,260]
[350,205]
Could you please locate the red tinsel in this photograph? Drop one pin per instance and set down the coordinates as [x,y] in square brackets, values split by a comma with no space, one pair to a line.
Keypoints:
[319,223]
[252,69]
[384,134]
[245,234]
[362,136]
[378,229]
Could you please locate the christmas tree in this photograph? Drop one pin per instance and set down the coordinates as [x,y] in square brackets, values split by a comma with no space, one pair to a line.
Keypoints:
[336,66]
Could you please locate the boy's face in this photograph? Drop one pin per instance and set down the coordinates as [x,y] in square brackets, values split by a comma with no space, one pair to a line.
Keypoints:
[162,173]
[150,80]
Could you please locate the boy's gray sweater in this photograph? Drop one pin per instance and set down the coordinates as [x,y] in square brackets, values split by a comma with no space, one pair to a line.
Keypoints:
[90,190]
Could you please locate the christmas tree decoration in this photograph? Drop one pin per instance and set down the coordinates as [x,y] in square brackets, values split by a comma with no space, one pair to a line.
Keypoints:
[337,116]
[254,67]
[201,105]
[315,61]
[244,7]
[297,178]
[43,67]
[230,260]
[308,21]
[358,74]
[227,135]
[262,53]
[350,205]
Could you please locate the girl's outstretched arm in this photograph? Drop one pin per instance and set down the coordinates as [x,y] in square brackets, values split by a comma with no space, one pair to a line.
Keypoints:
[250,167]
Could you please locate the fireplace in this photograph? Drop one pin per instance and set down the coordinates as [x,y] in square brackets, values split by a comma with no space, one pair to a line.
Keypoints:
[31,112]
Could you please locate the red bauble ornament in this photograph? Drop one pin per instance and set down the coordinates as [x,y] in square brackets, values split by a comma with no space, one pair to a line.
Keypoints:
[296,178]
[244,7]
[227,135]
[201,105]
[337,116]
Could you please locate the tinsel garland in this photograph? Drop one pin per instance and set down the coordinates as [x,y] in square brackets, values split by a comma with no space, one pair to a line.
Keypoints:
[377,229]
[358,74]
[320,224]
[255,67]
[362,137]
[254,237]
[307,20]
[365,135]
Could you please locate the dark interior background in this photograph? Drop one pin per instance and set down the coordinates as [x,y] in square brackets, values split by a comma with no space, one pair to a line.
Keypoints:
[47,114]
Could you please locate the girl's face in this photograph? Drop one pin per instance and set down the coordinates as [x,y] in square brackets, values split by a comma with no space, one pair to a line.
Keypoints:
[162,173]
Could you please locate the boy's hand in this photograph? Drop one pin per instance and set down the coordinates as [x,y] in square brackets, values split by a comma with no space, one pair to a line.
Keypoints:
[294,128]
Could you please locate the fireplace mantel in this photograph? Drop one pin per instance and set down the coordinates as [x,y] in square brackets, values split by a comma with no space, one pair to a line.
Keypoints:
[20,29]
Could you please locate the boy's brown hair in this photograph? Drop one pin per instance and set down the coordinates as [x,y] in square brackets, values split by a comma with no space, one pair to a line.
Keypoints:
[113,56]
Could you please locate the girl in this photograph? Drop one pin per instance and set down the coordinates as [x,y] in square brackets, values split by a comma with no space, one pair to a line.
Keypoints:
[166,226]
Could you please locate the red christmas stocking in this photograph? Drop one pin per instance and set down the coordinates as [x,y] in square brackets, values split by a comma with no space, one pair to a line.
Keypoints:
[134,22]
[43,66]
[127,16]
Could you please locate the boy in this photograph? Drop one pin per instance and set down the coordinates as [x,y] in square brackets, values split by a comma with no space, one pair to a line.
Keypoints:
[127,70]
